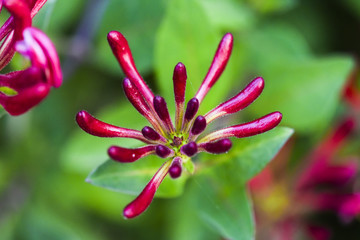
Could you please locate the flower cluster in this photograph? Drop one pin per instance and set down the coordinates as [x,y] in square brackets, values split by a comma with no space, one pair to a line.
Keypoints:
[22,90]
[325,185]
[180,141]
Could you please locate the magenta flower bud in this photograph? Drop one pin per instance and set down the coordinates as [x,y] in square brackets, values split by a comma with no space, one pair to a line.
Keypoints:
[189,149]
[163,151]
[162,111]
[137,100]
[218,65]
[220,146]
[20,11]
[321,173]
[238,102]
[98,128]
[150,134]
[199,125]
[252,128]
[23,101]
[179,79]
[122,52]
[142,202]
[11,31]
[191,109]
[176,168]
[126,155]
[350,207]
[34,37]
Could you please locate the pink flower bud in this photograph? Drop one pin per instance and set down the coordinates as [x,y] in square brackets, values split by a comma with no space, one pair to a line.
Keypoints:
[121,154]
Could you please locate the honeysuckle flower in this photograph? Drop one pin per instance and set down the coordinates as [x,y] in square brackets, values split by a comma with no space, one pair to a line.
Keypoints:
[30,86]
[330,186]
[180,141]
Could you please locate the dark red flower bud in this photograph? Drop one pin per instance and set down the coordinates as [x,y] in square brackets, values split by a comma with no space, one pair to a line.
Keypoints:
[217,147]
[24,100]
[176,168]
[121,154]
[191,109]
[122,52]
[252,128]
[150,133]
[98,128]
[189,149]
[162,151]
[21,13]
[218,65]
[199,125]
[179,79]
[238,102]
[162,111]
[142,202]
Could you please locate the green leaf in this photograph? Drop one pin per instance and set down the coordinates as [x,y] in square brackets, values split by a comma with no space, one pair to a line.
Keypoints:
[228,14]
[275,43]
[303,88]
[248,156]
[183,222]
[131,178]
[2,111]
[191,39]
[8,91]
[83,152]
[269,6]
[224,205]
[305,92]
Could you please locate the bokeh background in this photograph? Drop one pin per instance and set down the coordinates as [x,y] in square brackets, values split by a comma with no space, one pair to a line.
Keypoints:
[306,50]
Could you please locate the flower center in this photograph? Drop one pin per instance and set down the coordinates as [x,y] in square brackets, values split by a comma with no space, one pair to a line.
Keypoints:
[177,141]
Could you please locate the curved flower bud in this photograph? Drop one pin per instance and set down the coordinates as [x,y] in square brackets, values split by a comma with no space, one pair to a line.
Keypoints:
[176,168]
[238,102]
[26,99]
[137,100]
[126,155]
[189,149]
[179,79]
[122,52]
[162,111]
[20,11]
[252,128]
[199,125]
[98,128]
[163,151]
[39,48]
[220,146]
[151,134]
[191,109]
[142,202]
[218,65]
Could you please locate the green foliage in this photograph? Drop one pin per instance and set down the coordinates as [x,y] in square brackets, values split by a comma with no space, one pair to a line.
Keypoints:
[248,156]
[131,178]
[225,206]
[306,89]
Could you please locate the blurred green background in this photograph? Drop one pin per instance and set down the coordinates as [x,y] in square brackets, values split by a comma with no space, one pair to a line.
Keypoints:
[304,49]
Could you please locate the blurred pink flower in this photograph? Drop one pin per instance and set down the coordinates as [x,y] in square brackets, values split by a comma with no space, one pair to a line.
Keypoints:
[33,84]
